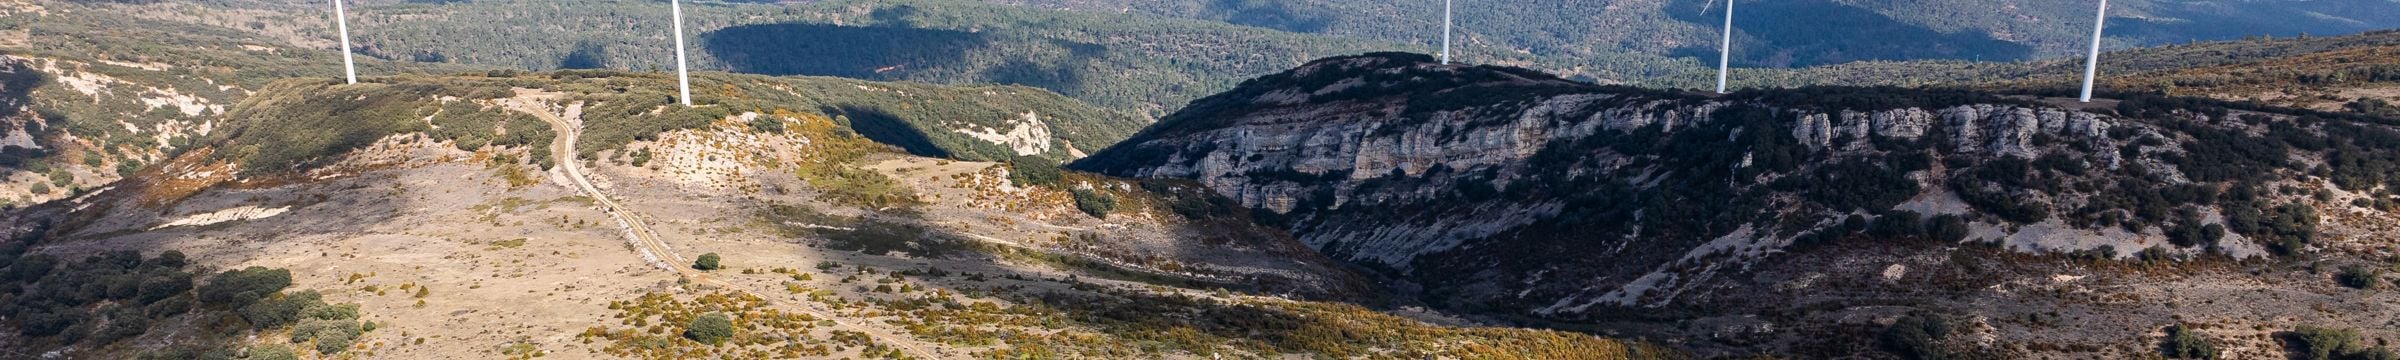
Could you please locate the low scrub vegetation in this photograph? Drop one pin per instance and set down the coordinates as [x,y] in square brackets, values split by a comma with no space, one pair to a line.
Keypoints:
[1027,171]
[111,297]
[1094,203]
[2183,343]
[1916,337]
[880,237]
[711,328]
[1109,323]
[299,124]
[2359,277]
[713,325]
[2319,343]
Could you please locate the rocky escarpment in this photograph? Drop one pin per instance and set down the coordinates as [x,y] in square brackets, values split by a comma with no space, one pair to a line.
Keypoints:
[1505,189]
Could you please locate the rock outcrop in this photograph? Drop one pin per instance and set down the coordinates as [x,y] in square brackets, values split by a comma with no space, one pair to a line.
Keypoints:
[1510,187]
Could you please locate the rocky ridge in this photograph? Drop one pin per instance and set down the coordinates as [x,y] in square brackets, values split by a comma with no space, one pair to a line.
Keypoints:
[1525,193]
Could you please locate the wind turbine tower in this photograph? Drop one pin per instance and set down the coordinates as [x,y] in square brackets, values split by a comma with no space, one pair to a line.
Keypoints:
[342,23]
[683,79]
[1725,48]
[2091,64]
[1446,32]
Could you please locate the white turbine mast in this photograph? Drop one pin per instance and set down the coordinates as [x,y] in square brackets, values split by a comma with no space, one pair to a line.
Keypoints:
[342,23]
[683,80]
[1725,48]
[2091,63]
[1446,32]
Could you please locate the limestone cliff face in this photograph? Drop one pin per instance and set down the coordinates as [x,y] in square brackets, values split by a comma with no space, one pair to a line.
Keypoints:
[1286,136]
[1546,196]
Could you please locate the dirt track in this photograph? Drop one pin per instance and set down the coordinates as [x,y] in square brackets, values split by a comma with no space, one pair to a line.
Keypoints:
[652,248]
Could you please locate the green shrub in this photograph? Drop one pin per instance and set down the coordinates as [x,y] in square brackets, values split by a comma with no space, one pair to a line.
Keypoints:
[2334,344]
[1094,203]
[710,328]
[123,322]
[2358,277]
[271,352]
[198,352]
[332,336]
[239,288]
[324,311]
[2316,343]
[335,343]
[2285,229]
[1916,337]
[1947,229]
[2378,353]
[169,259]
[2183,343]
[708,261]
[2155,253]
[170,306]
[159,288]
[1896,224]
[1028,171]
[641,157]
[2190,233]
[767,124]
[61,178]
[279,311]
[128,167]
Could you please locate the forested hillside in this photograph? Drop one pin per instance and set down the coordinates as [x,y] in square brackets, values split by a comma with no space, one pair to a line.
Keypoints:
[1141,64]
[2122,67]
[94,96]
[93,92]
[1781,33]
[1149,57]
[296,124]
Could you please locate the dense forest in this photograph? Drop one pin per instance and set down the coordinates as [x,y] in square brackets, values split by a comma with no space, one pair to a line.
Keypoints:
[1153,56]
[1140,64]
[1779,33]
[2129,69]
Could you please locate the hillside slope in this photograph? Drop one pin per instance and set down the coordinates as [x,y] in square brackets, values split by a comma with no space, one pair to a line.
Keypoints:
[822,242]
[971,123]
[112,88]
[94,99]
[1507,191]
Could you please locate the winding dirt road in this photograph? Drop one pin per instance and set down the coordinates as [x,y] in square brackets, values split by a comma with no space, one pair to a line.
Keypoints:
[562,146]
[638,232]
